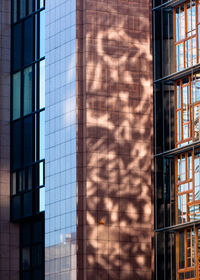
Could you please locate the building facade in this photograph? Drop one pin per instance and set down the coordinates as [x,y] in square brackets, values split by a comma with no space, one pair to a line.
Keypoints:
[77,118]
[176,106]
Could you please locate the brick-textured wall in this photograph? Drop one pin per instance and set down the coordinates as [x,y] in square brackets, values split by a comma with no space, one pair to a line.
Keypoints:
[9,233]
[115,139]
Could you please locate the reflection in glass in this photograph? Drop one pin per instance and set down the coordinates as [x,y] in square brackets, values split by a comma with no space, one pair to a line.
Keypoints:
[14,11]
[181,250]
[28,140]
[42,84]
[42,33]
[17,46]
[177,24]
[28,90]
[16,95]
[196,123]
[42,199]
[182,22]
[26,258]
[179,57]
[178,125]
[28,41]
[30,6]
[14,183]
[178,98]
[42,135]
[182,208]
[22,8]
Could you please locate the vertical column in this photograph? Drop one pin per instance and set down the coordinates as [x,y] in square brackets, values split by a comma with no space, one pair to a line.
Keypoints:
[9,233]
[118,139]
[60,130]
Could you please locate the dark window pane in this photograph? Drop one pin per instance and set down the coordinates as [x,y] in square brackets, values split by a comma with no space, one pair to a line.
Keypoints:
[36,175]
[16,95]
[42,84]
[14,10]
[28,84]
[42,33]
[28,204]
[28,41]
[41,199]
[37,255]
[25,258]
[17,46]
[37,274]
[28,142]
[20,181]
[22,8]
[26,234]
[181,250]
[16,145]
[16,207]
[30,6]
[14,183]
[29,181]
[38,231]
[26,275]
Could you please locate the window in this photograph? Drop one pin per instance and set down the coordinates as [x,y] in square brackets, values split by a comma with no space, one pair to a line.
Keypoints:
[188,186]
[17,46]
[28,41]
[28,85]
[186,27]
[16,84]
[186,254]
[187,110]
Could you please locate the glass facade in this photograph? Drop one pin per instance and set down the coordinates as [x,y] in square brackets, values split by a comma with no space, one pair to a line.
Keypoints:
[176,119]
[60,139]
[27,134]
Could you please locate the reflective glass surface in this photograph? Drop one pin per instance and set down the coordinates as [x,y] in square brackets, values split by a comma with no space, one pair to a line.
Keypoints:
[60,135]
[16,95]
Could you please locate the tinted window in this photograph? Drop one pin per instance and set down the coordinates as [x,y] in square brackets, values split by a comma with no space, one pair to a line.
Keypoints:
[28,204]
[28,142]
[16,210]
[28,73]
[16,95]
[28,41]
[17,46]
[16,144]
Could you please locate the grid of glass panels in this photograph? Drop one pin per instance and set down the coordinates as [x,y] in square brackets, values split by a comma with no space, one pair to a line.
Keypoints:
[27,131]
[60,135]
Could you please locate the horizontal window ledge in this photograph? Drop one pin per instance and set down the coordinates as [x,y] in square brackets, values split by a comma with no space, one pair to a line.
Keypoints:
[176,151]
[169,4]
[174,228]
[170,79]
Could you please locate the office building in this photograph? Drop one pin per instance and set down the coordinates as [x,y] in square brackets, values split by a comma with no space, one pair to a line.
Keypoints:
[76,117]
[176,106]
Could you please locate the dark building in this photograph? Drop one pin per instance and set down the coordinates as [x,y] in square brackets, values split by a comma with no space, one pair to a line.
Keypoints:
[76,116]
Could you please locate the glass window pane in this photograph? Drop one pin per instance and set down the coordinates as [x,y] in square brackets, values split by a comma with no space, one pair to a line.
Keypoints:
[16,145]
[42,84]
[30,6]
[28,204]
[41,199]
[177,24]
[17,46]
[38,231]
[41,173]
[178,99]
[14,183]
[37,255]
[28,41]
[197,87]
[178,125]
[194,51]
[41,3]
[29,178]
[25,258]
[26,234]
[14,11]
[42,33]
[181,250]
[16,207]
[189,166]
[42,136]
[182,22]
[16,95]
[196,123]
[22,8]
[28,84]
[189,20]
[28,140]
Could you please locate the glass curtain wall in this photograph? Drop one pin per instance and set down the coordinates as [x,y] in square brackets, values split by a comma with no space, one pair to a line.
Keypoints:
[177,143]
[27,133]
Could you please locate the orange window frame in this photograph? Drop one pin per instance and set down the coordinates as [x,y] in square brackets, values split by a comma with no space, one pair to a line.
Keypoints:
[192,105]
[186,37]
